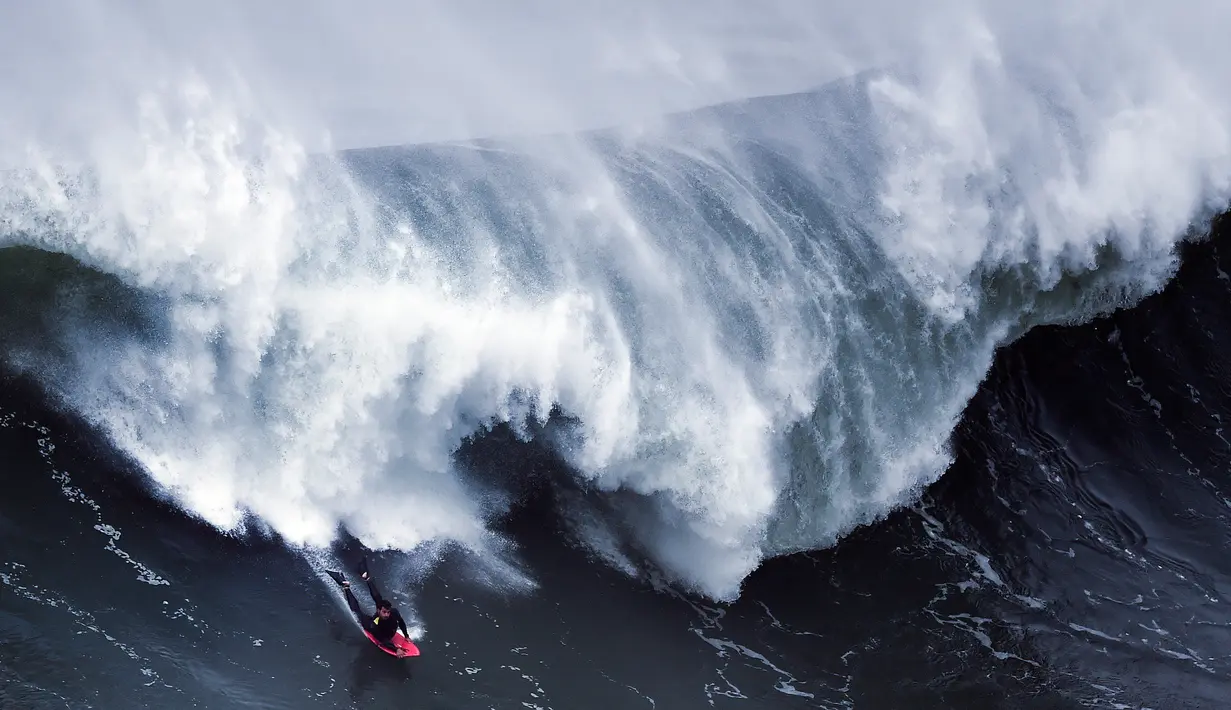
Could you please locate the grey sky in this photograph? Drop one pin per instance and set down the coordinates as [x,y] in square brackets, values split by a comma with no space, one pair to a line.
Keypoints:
[377,71]
[380,71]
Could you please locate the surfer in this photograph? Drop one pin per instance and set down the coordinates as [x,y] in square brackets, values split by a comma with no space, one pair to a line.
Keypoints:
[387,620]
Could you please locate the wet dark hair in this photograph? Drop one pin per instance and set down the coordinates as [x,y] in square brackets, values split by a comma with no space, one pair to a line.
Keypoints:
[385,604]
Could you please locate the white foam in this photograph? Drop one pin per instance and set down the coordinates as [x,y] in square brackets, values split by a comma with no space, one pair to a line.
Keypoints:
[1112,127]
[320,360]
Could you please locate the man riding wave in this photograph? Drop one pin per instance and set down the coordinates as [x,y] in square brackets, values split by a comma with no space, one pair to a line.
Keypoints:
[387,619]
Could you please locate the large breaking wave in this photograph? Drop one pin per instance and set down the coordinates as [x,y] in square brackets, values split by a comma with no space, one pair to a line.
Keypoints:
[761,320]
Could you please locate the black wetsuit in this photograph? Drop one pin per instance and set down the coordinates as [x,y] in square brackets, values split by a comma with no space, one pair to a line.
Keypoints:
[381,629]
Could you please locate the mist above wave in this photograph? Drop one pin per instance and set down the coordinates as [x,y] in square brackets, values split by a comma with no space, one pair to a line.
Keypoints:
[764,317]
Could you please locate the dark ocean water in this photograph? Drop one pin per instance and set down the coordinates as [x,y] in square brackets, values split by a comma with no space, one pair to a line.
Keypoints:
[1075,555]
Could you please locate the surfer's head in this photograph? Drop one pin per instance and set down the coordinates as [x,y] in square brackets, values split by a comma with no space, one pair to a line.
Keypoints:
[384,608]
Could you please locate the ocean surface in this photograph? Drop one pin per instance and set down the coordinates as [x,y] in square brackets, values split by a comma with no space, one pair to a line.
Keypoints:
[902,391]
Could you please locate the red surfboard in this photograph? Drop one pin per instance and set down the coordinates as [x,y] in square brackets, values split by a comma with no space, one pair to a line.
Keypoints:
[399,641]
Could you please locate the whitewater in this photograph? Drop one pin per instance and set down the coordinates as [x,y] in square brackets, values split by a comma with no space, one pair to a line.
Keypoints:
[747,312]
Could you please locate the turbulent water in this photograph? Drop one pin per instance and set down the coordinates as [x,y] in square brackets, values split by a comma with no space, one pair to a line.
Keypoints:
[693,345]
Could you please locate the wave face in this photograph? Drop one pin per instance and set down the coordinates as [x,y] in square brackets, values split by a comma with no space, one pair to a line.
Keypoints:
[759,321]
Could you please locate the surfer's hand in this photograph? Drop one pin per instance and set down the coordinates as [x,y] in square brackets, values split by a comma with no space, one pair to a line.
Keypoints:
[401,653]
